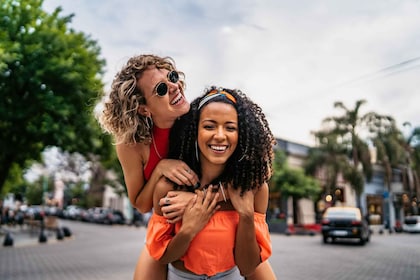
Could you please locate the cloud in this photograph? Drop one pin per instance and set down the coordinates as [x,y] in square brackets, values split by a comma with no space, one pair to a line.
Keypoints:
[294,58]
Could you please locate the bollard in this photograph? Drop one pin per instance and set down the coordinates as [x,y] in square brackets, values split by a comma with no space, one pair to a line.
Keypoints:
[59,234]
[66,231]
[42,237]
[8,240]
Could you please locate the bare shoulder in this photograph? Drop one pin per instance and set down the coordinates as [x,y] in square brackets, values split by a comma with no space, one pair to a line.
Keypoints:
[138,152]
[261,199]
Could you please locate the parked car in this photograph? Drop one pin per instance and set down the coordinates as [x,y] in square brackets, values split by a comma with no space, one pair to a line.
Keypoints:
[35,212]
[344,222]
[86,215]
[411,224]
[108,216]
[140,219]
[72,212]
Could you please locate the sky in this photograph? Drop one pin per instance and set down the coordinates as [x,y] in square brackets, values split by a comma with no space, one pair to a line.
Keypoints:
[293,58]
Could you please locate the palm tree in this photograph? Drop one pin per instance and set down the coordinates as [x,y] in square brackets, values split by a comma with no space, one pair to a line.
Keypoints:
[341,136]
[349,125]
[347,128]
[327,160]
[412,164]
[387,139]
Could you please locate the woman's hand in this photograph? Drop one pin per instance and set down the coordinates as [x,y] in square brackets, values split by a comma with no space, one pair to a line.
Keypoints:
[174,204]
[178,172]
[244,204]
[199,211]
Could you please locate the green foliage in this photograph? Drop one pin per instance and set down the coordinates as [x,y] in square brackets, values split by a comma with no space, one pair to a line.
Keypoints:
[76,194]
[15,183]
[34,194]
[293,182]
[50,79]
[355,178]
[341,149]
[330,156]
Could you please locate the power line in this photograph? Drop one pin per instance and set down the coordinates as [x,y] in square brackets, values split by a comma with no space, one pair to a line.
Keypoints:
[404,66]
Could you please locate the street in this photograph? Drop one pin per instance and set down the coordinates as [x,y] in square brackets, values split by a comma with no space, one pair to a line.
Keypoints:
[110,252]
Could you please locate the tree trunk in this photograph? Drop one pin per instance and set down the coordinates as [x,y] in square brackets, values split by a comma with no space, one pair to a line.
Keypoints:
[4,171]
[295,210]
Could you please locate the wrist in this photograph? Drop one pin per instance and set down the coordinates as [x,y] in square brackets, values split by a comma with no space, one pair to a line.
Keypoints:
[186,234]
[158,168]
[247,217]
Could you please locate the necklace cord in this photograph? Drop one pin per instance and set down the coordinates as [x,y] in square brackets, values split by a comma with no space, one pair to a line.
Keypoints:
[155,148]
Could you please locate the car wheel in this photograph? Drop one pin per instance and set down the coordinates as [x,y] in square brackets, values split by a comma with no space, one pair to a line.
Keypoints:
[325,239]
[362,241]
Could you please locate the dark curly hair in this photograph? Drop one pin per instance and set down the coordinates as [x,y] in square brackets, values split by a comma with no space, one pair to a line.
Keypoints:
[251,163]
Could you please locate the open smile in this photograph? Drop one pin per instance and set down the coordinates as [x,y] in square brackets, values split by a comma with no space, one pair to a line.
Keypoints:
[177,98]
[219,148]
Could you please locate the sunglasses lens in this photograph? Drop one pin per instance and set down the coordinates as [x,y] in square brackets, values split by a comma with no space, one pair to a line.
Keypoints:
[173,76]
[161,89]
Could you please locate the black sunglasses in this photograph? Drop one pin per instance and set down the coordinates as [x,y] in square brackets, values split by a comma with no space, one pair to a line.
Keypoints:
[162,87]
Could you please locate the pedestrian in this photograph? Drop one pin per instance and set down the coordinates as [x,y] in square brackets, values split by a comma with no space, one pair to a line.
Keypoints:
[226,140]
[146,97]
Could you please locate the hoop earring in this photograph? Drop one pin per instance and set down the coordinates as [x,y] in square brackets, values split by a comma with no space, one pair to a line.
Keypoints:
[196,151]
[148,122]
[243,156]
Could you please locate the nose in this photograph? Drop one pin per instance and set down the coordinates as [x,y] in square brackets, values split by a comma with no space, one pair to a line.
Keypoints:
[220,133]
[172,87]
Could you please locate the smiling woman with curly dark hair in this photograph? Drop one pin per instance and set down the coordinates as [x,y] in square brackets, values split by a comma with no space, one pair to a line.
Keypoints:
[226,140]
[251,163]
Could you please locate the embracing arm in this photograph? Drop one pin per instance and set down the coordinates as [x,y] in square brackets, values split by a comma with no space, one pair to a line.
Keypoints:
[247,249]
[197,214]
[140,192]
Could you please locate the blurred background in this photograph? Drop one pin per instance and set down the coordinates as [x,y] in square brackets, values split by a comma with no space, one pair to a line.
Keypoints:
[337,81]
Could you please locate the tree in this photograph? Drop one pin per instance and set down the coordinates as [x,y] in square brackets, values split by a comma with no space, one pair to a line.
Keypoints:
[50,78]
[327,160]
[293,183]
[412,159]
[348,127]
[388,141]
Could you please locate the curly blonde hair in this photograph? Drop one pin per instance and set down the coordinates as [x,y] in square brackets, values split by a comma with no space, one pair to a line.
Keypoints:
[119,116]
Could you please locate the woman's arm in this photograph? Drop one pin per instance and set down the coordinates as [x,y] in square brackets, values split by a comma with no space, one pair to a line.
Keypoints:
[197,214]
[174,204]
[140,192]
[247,250]
[131,158]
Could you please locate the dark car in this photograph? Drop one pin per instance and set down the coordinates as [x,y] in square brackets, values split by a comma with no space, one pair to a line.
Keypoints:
[140,219]
[344,222]
[108,216]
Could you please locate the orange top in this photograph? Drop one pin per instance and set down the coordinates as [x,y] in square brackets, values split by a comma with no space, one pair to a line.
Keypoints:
[212,249]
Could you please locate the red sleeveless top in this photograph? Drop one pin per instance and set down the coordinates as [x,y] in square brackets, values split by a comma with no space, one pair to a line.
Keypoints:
[158,149]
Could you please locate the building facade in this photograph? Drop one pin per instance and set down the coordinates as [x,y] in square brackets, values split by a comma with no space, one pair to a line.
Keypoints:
[383,204]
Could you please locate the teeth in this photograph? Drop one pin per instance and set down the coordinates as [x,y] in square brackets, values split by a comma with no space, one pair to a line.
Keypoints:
[177,99]
[219,148]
